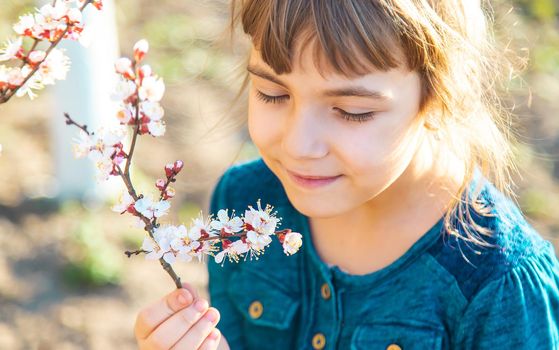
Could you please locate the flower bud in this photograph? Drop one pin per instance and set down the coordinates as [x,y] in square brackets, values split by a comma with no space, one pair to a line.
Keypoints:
[37,56]
[169,170]
[140,49]
[169,193]
[143,129]
[177,167]
[124,66]
[281,236]
[98,4]
[160,184]
[132,210]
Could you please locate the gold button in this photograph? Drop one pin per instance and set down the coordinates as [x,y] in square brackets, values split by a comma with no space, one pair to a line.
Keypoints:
[325,291]
[255,309]
[393,347]
[318,341]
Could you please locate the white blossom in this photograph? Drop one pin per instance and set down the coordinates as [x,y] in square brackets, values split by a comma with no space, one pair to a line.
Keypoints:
[152,110]
[37,56]
[123,89]
[10,50]
[152,89]
[104,148]
[54,67]
[292,242]
[232,251]
[159,245]
[199,226]
[125,200]
[258,241]
[183,244]
[123,66]
[150,209]
[25,24]
[33,83]
[261,220]
[15,76]
[53,13]
[156,128]
[125,114]
[229,225]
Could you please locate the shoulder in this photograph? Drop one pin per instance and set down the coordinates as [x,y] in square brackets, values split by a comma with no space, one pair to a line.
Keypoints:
[514,243]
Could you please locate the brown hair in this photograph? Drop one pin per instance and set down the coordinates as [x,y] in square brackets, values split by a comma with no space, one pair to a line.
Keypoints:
[448,42]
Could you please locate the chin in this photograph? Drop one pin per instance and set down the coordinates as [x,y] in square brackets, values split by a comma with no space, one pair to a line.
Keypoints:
[315,207]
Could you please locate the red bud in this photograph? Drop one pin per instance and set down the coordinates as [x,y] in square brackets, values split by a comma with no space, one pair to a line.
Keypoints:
[140,49]
[160,184]
[179,164]
[169,170]
[170,192]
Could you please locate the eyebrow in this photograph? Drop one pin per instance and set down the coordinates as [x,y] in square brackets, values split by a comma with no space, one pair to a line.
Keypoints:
[351,91]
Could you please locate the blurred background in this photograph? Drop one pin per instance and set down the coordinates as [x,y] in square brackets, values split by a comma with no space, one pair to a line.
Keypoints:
[64,280]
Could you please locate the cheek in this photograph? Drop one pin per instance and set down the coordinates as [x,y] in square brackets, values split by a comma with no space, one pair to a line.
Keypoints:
[378,152]
[263,124]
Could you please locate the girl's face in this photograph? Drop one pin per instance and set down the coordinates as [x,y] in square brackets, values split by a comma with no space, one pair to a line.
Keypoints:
[364,130]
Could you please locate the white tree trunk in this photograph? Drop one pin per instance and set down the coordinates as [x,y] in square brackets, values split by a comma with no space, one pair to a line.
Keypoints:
[85,95]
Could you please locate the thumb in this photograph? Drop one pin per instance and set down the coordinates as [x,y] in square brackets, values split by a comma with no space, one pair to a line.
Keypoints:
[191,289]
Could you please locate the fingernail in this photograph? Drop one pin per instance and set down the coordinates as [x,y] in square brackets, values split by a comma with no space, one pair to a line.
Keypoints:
[201,305]
[211,315]
[183,297]
[214,334]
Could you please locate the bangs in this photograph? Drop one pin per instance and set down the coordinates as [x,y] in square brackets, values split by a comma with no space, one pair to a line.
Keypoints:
[336,29]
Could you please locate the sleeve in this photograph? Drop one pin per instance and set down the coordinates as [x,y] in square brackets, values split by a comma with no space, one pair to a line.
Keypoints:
[517,311]
[231,320]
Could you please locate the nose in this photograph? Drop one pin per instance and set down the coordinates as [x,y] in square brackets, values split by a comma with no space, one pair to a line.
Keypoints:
[304,134]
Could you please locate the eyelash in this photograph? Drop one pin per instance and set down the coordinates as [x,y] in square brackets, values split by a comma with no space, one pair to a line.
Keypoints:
[361,117]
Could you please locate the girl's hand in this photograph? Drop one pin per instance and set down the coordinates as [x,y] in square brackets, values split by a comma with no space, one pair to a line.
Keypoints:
[180,320]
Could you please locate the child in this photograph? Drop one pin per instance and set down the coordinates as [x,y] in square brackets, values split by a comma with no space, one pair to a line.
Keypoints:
[381,144]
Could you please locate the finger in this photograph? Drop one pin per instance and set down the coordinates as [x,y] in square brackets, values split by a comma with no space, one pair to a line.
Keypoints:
[170,332]
[212,340]
[191,289]
[199,332]
[149,318]
[223,344]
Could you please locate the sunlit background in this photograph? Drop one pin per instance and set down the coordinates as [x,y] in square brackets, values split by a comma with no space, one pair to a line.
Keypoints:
[64,280]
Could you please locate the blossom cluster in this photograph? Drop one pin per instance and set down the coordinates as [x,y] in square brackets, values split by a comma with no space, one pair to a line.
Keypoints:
[139,92]
[257,227]
[105,148]
[37,67]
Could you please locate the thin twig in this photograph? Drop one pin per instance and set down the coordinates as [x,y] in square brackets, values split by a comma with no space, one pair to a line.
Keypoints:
[135,136]
[239,235]
[70,121]
[167,183]
[135,252]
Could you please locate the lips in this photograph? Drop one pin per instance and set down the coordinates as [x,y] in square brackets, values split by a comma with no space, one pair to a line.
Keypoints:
[309,177]
[311,181]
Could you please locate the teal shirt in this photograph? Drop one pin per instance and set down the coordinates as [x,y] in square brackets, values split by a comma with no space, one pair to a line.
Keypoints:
[429,298]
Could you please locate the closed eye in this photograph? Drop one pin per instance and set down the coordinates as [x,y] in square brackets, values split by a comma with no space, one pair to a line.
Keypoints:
[358,117]
[271,99]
